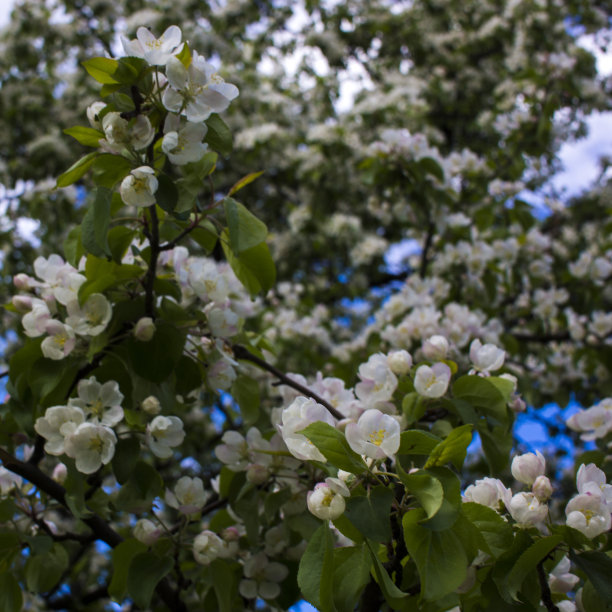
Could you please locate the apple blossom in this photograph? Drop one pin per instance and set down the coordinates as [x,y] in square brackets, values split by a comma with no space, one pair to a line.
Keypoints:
[375,435]
[325,502]
[60,342]
[101,403]
[151,405]
[588,514]
[302,412]
[400,362]
[138,187]
[8,481]
[163,434]
[487,357]
[184,145]
[91,445]
[146,531]
[262,577]
[58,423]
[207,546]
[188,496]
[526,468]
[560,579]
[196,91]
[144,330]
[156,51]
[487,492]
[435,347]
[526,510]
[93,110]
[542,488]
[90,319]
[432,381]
[378,382]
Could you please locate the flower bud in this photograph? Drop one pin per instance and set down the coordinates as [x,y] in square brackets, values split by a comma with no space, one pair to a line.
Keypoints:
[22,303]
[487,357]
[60,472]
[151,405]
[432,382]
[526,468]
[435,348]
[146,531]
[22,282]
[93,111]
[542,488]
[257,474]
[400,362]
[144,330]
[324,503]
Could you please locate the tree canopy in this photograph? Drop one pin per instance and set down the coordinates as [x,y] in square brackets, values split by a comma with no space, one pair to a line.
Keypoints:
[220,392]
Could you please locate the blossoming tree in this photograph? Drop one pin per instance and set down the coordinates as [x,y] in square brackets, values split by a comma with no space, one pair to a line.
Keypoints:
[201,414]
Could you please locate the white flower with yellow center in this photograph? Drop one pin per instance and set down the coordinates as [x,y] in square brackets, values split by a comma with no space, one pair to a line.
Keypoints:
[163,433]
[375,435]
[183,145]
[197,91]
[101,403]
[432,381]
[138,187]
[92,318]
[91,446]
[587,513]
[156,51]
[60,342]
[378,382]
[189,495]
[58,423]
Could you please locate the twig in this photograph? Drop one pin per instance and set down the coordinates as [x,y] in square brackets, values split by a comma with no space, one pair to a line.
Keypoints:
[547,600]
[242,353]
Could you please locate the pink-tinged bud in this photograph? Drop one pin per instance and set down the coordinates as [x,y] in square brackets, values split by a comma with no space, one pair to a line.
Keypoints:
[144,330]
[517,404]
[60,472]
[230,534]
[257,474]
[22,282]
[542,488]
[22,303]
[526,468]
[146,531]
[435,348]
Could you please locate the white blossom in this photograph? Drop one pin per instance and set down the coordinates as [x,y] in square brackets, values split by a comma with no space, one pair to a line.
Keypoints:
[207,546]
[138,187]
[58,423]
[588,514]
[527,510]
[400,362]
[188,496]
[435,347]
[184,145]
[526,468]
[375,435]
[90,319]
[487,492]
[144,330]
[163,434]
[8,481]
[146,531]
[91,445]
[560,579]
[326,501]
[378,382]
[432,381]
[156,51]
[60,342]
[101,403]
[487,357]
[262,577]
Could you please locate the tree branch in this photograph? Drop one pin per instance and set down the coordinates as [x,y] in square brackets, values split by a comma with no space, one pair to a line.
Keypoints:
[242,353]
[101,530]
[547,600]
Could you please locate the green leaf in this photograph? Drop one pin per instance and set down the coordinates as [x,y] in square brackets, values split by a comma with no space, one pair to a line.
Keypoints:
[245,229]
[417,442]
[351,575]
[166,195]
[528,562]
[316,570]
[122,556]
[142,487]
[102,274]
[390,591]
[496,445]
[76,171]
[156,359]
[225,584]
[10,545]
[427,489]
[244,181]
[598,568]
[334,446]
[439,556]
[102,69]
[496,532]
[453,449]
[254,267]
[44,571]
[7,510]
[451,506]
[94,227]
[245,391]
[109,169]
[73,246]
[219,136]
[119,240]
[85,135]
[146,570]
[370,513]
[11,598]
[125,457]
[75,492]
[205,235]
[489,395]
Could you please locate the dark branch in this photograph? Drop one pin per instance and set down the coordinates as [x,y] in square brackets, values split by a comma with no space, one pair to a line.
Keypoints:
[547,600]
[242,353]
